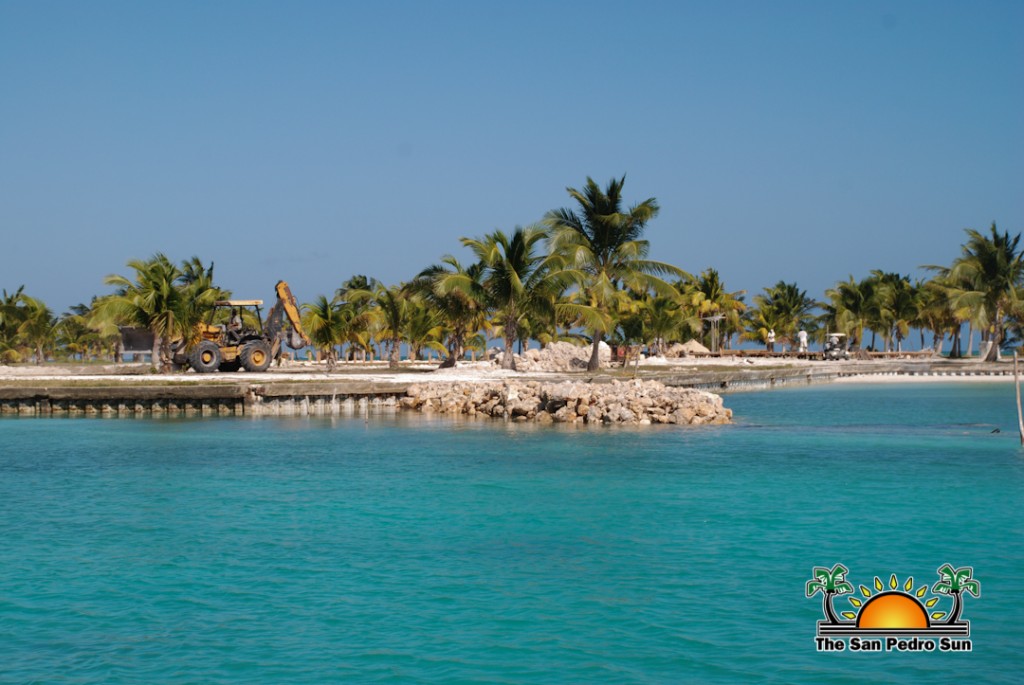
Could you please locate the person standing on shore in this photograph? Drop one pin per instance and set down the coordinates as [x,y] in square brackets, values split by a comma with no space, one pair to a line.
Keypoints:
[771,339]
[802,337]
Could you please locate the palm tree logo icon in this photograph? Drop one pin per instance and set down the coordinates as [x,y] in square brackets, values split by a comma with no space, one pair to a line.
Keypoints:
[955,583]
[893,608]
[830,583]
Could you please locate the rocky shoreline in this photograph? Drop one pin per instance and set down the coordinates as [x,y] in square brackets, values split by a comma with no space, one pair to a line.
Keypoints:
[634,402]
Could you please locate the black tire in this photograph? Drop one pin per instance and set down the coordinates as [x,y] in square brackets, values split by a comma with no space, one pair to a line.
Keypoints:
[205,358]
[256,356]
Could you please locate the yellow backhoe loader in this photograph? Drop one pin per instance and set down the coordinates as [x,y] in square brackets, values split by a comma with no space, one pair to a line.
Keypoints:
[247,341]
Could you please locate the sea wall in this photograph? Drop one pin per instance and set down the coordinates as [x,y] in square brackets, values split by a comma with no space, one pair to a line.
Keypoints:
[123,400]
[636,402]
[538,400]
[197,399]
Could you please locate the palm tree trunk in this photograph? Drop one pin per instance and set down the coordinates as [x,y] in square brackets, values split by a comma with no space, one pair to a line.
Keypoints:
[595,353]
[996,338]
[958,606]
[155,353]
[456,350]
[449,362]
[970,339]
[830,612]
[992,353]
[508,361]
[165,355]
[393,355]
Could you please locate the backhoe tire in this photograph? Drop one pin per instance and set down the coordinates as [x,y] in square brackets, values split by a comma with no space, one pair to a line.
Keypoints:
[256,356]
[205,358]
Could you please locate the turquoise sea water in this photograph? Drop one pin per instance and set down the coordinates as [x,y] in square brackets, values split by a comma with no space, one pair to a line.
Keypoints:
[410,549]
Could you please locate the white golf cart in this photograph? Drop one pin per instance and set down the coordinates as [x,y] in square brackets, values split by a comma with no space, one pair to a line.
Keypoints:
[834,349]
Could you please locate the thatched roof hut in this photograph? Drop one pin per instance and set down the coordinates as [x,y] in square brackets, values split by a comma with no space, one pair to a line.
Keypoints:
[694,348]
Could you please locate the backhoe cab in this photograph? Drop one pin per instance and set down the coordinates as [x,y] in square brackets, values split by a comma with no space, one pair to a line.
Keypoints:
[236,336]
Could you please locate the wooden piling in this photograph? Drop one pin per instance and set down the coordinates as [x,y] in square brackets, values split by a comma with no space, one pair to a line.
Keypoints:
[1016,384]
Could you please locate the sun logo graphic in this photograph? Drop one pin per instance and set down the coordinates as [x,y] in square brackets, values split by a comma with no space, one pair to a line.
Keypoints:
[893,616]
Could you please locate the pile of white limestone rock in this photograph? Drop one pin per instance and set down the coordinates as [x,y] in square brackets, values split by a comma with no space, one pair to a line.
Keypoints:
[635,402]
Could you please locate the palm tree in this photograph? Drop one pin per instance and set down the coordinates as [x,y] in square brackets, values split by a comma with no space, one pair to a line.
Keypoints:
[325,323]
[962,309]
[359,283]
[602,239]
[760,322]
[74,334]
[783,308]
[986,279]
[37,328]
[664,319]
[391,310]
[517,279]
[955,583]
[830,583]
[852,302]
[162,298]
[108,337]
[457,293]
[357,292]
[895,307]
[631,329]
[708,297]
[423,327]
[198,294]
[935,314]
[540,323]
[12,313]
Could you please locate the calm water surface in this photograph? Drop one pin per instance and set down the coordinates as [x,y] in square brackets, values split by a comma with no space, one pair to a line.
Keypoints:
[406,549]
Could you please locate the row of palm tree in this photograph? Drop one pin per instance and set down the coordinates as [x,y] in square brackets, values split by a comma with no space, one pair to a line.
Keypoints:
[588,286]
[983,288]
[27,327]
[583,273]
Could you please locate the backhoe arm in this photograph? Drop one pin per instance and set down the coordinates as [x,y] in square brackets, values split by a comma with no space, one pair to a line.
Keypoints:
[286,306]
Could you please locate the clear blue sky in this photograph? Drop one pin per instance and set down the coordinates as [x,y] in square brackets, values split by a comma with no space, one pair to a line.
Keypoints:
[309,141]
